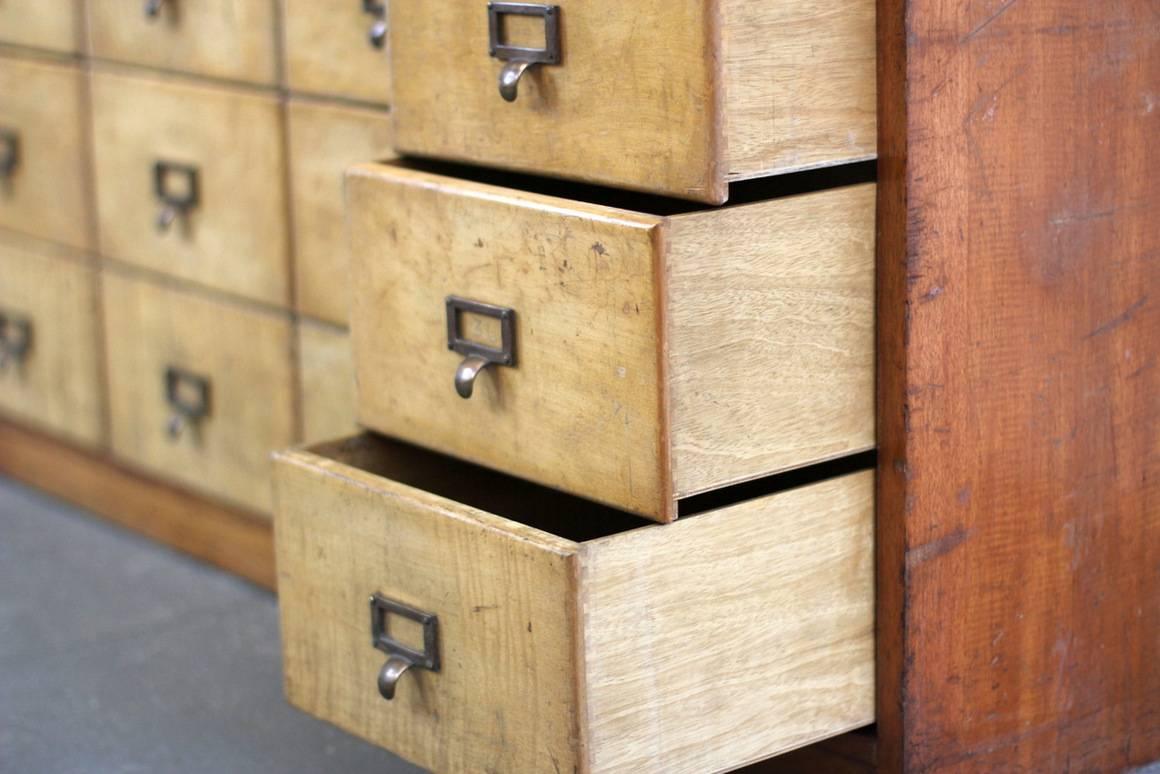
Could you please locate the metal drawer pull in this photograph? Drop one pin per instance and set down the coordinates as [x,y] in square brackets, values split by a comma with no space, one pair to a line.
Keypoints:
[9,152]
[153,8]
[188,395]
[477,356]
[176,200]
[377,9]
[15,339]
[402,658]
[519,59]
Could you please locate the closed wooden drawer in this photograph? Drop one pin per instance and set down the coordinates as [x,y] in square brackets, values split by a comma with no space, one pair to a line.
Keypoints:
[673,97]
[49,347]
[49,25]
[324,141]
[43,174]
[190,183]
[654,356]
[568,638]
[327,381]
[231,39]
[201,391]
[337,47]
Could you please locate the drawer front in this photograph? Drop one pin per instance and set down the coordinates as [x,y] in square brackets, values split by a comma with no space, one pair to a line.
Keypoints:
[49,350]
[190,183]
[580,407]
[43,167]
[695,647]
[632,102]
[201,391]
[337,48]
[326,375]
[324,141]
[54,26]
[231,39]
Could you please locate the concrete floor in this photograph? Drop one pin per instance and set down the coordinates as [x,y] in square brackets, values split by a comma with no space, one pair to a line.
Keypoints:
[117,655]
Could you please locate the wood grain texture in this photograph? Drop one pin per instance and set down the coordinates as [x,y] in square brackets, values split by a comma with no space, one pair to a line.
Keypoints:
[328,51]
[1020,394]
[57,385]
[770,336]
[46,196]
[624,108]
[54,26]
[324,141]
[326,381]
[731,636]
[236,239]
[799,84]
[231,39]
[245,354]
[232,539]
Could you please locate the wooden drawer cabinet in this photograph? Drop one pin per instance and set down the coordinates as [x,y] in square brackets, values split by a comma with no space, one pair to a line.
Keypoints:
[324,141]
[190,183]
[49,345]
[337,47]
[55,26]
[652,356]
[326,381]
[201,390]
[231,39]
[42,143]
[567,637]
[671,97]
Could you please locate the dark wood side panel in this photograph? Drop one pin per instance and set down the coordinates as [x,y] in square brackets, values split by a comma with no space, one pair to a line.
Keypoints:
[1019,502]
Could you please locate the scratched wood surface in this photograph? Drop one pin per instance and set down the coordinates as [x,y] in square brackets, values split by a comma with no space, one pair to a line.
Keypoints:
[1019,511]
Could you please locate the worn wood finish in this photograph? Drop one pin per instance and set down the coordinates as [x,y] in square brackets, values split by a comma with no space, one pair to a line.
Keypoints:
[597,653]
[246,355]
[236,238]
[328,51]
[324,141]
[52,141]
[326,381]
[54,26]
[231,39]
[1020,395]
[758,319]
[56,386]
[235,540]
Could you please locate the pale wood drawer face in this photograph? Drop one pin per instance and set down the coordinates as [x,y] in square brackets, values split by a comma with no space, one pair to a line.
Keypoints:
[243,357]
[329,49]
[326,374]
[725,638]
[656,356]
[671,97]
[43,174]
[230,39]
[222,153]
[54,26]
[48,340]
[324,141]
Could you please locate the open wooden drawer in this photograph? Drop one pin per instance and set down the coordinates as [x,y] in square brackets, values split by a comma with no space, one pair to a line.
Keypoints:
[547,633]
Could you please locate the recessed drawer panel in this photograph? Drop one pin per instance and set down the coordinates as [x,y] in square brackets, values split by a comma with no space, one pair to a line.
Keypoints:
[201,391]
[324,141]
[518,629]
[630,357]
[338,47]
[39,24]
[672,97]
[190,183]
[43,169]
[232,39]
[327,381]
[49,348]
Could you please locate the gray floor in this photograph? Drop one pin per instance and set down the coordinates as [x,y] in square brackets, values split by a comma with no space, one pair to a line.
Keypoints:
[117,655]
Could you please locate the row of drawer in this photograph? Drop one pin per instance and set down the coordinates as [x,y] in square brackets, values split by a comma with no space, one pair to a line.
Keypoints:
[200,390]
[328,45]
[677,98]
[189,178]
